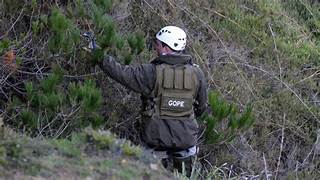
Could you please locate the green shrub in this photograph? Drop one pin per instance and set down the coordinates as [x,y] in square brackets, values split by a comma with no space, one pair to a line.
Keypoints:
[222,111]
[66,36]
[131,150]
[4,44]
[67,148]
[136,43]
[51,106]
[29,118]
[48,108]
[102,139]
[87,95]
[39,24]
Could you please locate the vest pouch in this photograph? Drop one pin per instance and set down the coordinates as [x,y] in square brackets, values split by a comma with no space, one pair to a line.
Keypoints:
[178,79]
[176,104]
[188,75]
[168,78]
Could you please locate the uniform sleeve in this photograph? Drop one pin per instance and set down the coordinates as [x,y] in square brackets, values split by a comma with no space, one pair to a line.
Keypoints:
[201,103]
[139,78]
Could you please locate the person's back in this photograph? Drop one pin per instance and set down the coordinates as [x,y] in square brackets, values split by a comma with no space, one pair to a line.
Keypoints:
[173,90]
[169,112]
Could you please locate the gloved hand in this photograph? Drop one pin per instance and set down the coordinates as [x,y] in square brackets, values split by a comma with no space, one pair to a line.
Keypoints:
[92,41]
[96,53]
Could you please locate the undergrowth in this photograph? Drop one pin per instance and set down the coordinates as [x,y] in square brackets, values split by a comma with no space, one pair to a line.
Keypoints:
[40,158]
[259,52]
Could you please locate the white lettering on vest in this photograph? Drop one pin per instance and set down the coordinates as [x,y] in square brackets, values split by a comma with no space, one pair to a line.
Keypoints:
[176,103]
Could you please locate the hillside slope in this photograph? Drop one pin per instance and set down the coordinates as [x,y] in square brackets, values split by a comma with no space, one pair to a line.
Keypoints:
[91,154]
[260,52]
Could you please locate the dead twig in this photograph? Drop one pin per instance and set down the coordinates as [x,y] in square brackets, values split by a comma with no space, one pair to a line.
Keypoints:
[316,146]
[315,150]
[276,50]
[315,74]
[281,147]
[67,76]
[66,121]
[265,167]
[13,24]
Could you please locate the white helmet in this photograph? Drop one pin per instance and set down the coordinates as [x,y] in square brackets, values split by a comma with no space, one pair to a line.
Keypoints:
[173,36]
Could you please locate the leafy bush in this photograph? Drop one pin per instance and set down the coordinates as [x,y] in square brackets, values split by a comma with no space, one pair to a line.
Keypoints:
[4,44]
[105,140]
[108,38]
[131,150]
[102,139]
[67,148]
[52,106]
[49,111]
[65,36]
[222,111]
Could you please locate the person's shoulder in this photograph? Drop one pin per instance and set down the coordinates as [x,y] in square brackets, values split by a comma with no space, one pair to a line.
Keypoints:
[195,65]
[198,70]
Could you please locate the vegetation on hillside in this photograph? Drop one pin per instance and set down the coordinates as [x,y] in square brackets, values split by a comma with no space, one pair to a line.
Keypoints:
[262,53]
[90,154]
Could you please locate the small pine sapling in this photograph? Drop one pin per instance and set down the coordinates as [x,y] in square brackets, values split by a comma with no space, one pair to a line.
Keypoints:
[222,111]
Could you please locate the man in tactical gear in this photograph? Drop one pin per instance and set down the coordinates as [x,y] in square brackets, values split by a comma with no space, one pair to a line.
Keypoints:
[173,92]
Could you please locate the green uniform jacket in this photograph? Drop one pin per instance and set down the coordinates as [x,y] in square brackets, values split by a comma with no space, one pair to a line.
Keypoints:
[141,78]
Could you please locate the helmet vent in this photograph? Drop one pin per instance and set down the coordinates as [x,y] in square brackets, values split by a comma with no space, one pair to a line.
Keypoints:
[175,44]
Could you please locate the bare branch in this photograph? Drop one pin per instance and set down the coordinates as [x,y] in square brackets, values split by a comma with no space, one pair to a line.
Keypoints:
[265,167]
[281,147]
[13,24]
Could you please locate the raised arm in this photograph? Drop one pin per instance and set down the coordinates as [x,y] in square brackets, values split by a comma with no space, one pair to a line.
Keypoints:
[139,78]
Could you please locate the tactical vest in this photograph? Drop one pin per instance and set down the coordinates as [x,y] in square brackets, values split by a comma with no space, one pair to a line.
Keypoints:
[171,123]
[175,91]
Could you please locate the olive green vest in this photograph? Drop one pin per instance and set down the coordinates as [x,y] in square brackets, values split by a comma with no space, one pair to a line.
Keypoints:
[175,91]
